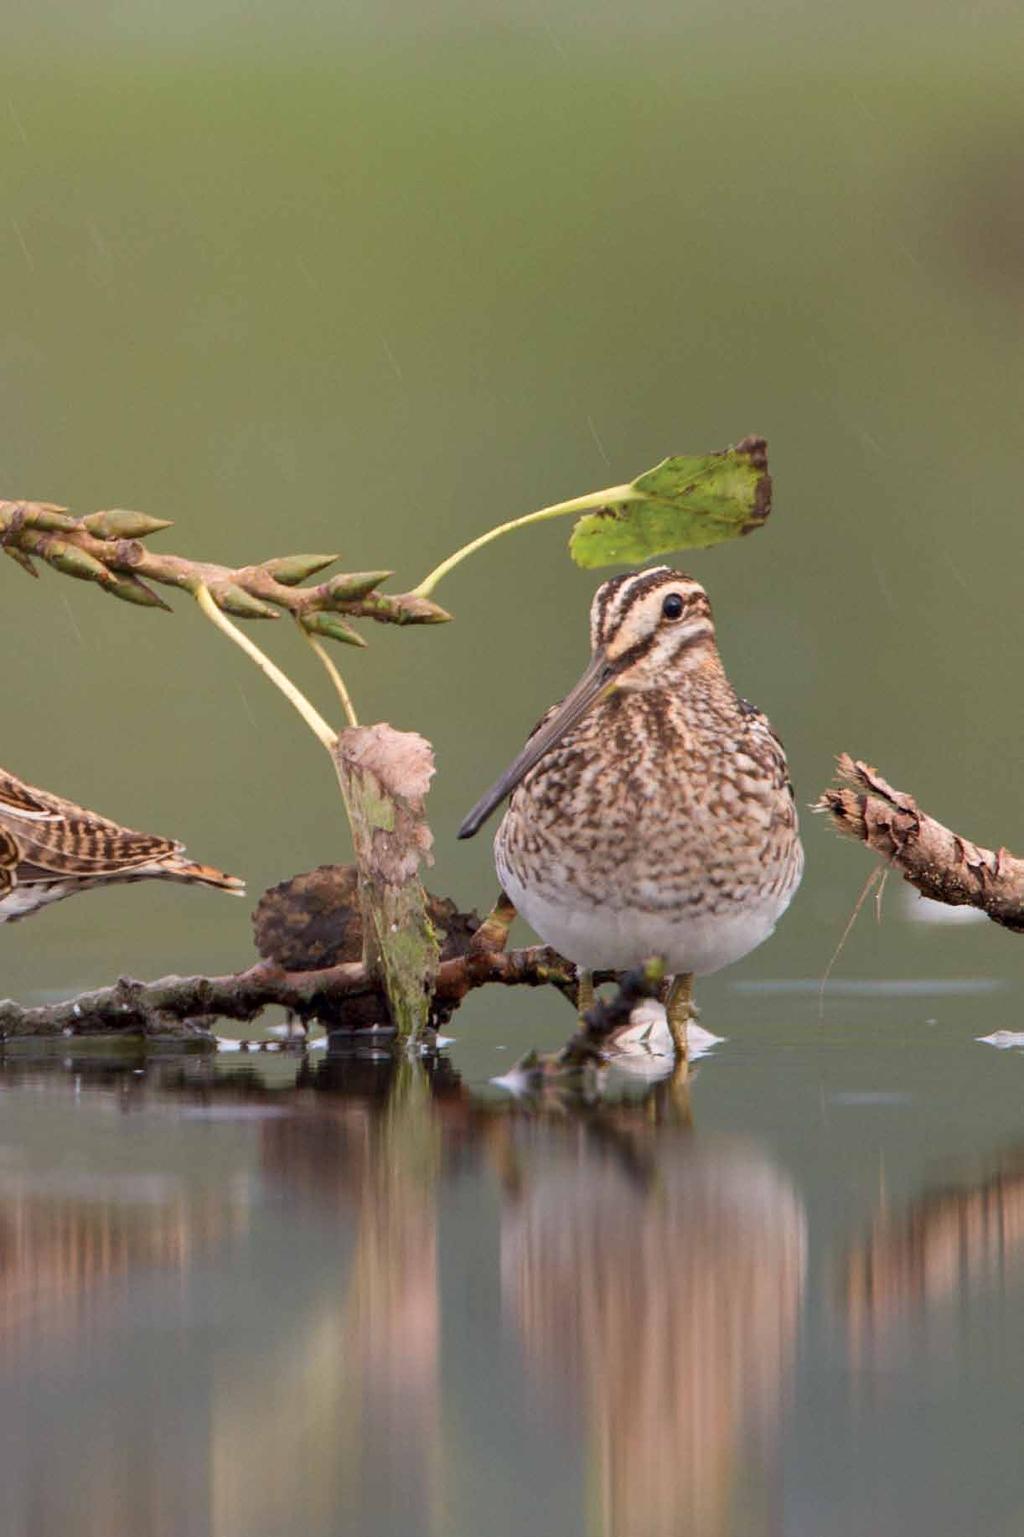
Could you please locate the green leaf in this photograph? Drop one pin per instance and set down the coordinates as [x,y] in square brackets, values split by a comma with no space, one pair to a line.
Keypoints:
[687,502]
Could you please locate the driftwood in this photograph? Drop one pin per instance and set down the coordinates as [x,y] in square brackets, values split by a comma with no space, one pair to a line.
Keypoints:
[178,1006]
[604,1019]
[941,864]
[585,1050]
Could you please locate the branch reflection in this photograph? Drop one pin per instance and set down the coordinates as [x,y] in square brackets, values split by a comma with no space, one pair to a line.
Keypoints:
[653,1277]
[953,1241]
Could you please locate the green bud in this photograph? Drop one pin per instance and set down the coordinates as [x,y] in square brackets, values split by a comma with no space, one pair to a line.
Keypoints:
[75,562]
[23,560]
[352,585]
[414,610]
[331,628]
[119,524]
[235,600]
[131,590]
[291,570]
[47,519]
[405,608]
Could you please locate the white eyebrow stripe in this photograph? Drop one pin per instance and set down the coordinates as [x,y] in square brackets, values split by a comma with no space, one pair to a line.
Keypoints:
[628,594]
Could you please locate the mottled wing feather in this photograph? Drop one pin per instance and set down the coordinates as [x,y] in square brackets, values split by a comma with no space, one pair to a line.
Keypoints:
[68,839]
[8,862]
[760,722]
[21,799]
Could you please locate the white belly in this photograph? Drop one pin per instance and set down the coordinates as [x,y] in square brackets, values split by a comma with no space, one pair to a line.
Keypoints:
[603,938]
[21,900]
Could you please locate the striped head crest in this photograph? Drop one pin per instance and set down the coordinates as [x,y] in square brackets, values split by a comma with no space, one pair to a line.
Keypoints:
[646,629]
[647,621]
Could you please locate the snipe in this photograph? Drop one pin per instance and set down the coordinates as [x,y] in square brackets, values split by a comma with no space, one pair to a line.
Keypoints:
[651,811]
[50,848]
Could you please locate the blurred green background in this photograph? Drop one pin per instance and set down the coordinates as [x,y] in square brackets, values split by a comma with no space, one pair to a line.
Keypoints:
[371,280]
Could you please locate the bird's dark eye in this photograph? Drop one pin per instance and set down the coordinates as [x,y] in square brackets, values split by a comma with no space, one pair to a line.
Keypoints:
[672,607]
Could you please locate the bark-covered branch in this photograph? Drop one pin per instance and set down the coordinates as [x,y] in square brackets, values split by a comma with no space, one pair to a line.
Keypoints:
[106,548]
[604,1019]
[939,862]
[180,1006]
[586,1048]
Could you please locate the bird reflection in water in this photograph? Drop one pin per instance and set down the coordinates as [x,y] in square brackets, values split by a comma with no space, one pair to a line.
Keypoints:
[652,1276]
[656,1278]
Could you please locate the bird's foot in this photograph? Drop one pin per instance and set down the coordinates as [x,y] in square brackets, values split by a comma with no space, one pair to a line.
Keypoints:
[584,992]
[679,1010]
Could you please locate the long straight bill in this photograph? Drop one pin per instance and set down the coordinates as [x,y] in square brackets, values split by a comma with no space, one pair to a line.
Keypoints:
[597,681]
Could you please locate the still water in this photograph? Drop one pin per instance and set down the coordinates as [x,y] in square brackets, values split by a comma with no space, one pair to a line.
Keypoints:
[320,1293]
[371,279]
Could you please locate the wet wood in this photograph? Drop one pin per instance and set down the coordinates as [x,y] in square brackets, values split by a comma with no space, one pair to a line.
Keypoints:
[183,1006]
[940,863]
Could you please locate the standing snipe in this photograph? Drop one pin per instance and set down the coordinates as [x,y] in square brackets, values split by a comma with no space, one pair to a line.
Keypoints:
[50,848]
[652,812]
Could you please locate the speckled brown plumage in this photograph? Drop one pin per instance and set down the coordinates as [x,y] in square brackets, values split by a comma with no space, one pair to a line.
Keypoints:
[51,848]
[662,821]
[698,809]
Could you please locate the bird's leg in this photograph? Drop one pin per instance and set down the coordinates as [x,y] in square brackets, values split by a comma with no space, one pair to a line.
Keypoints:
[584,991]
[678,1012]
[670,1103]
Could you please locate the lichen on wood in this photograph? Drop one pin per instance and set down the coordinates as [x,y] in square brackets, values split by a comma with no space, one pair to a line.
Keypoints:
[384,776]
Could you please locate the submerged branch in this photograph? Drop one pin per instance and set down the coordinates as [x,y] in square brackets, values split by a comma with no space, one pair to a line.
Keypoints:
[586,1049]
[175,1006]
[604,1019]
[939,862]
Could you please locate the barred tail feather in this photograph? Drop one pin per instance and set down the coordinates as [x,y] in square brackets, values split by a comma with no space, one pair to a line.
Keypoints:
[204,875]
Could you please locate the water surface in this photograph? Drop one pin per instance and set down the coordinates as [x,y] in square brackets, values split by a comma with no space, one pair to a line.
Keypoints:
[370,279]
[319,1292]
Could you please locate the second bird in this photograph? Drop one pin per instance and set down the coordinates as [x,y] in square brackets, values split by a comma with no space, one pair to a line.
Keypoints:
[50,849]
[651,811]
